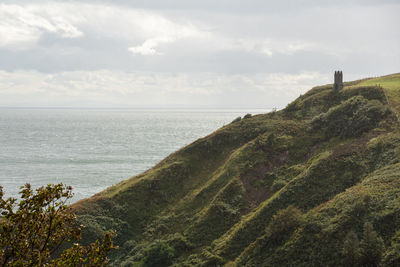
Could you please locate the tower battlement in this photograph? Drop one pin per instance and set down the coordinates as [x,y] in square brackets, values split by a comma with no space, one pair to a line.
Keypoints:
[338,85]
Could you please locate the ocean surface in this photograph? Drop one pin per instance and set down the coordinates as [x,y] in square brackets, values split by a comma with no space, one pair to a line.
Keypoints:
[92,149]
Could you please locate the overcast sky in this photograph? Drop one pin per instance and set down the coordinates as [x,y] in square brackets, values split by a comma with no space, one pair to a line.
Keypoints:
[184,53]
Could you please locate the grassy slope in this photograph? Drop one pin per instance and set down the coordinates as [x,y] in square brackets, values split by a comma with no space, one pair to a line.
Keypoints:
[213,200]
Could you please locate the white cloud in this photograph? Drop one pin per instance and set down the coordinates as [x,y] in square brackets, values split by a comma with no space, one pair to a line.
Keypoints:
[65,29]
[149,46]
[267,46]
[21,26]
[145,89]
[159,30]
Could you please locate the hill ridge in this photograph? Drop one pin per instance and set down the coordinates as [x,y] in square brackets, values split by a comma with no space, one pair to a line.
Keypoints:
[217,201]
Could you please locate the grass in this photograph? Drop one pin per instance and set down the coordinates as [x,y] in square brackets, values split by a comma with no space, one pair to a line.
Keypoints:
[333,156]
[391,85]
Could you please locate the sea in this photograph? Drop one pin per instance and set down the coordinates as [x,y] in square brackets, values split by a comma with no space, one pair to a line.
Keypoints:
[92,149]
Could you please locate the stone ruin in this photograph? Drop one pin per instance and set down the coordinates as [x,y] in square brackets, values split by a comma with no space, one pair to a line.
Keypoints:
[338,85]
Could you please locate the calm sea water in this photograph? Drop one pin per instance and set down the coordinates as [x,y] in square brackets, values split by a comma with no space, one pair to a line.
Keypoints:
[93,149]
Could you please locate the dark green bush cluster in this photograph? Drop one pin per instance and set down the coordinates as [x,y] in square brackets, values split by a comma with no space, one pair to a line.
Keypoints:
[321,98]
[310,105]
[157,254]
[392,255]
[161,252]
[277,185]
[368,252]
[368,92]
[351,118]
[247,116]
[282,176]
[179,243]
[237,119]
[283,223]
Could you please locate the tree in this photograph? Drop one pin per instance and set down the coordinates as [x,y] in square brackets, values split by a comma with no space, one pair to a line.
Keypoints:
[371,246]
[33,229]
[351,250]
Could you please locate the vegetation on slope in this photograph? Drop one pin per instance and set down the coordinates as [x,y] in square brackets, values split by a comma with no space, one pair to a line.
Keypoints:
[286,188]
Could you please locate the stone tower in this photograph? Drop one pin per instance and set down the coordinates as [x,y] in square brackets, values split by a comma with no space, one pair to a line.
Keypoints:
[338,85]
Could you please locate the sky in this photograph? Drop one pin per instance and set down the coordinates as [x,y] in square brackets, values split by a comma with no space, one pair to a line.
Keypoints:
[189,53]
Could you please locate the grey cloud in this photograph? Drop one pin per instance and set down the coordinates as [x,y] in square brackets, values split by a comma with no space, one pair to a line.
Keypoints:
[227,38]
[238,6]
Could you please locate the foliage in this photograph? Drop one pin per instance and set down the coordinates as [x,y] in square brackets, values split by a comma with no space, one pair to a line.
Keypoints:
[392,255]
[237,119]
[351,118]
[33,229]
[371,247]
[283,223]
[157,254]
[277,185]
[179,243]
[368,92]
[95,254]
[247,116]
[351,250]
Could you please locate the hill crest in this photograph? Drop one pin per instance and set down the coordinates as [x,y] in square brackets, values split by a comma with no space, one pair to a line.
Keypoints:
[322,167]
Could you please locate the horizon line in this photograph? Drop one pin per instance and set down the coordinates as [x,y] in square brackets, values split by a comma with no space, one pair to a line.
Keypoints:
[141,108]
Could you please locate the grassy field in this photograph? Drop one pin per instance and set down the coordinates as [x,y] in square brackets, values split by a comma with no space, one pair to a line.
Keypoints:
[391,84]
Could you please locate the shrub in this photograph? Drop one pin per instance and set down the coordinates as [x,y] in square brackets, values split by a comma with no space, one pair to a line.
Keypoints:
[179,243]
[237,119]
[368,92]
[129,263]
[283,223]
[371,246]
[392,255]
[277,185]
[210,259]
[351,118]
[247,116]
[159,253]
[351,250]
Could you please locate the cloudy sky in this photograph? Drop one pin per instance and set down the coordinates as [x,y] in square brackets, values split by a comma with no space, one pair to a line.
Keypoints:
[188,53]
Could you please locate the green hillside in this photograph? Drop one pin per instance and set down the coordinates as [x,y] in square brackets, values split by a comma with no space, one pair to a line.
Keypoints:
[314,184]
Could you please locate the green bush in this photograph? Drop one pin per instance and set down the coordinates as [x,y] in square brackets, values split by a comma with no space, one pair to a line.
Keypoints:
[351,250]
[237,119]
[179,243]
[351,118]
[277,185]
[211,260]
[392,255]
[283,223]
[159,253]
[368,92]
[247,116]
[129,263]
[371,246]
